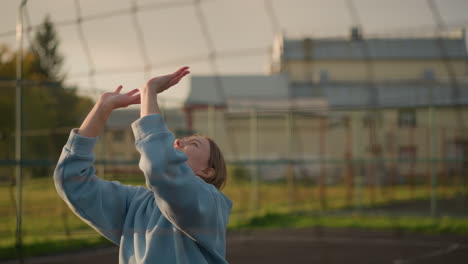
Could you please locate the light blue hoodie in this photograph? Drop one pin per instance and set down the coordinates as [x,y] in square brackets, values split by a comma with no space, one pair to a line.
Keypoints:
[178,219]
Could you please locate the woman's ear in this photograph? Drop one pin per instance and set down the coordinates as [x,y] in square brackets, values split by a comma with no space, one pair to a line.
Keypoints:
[207,173]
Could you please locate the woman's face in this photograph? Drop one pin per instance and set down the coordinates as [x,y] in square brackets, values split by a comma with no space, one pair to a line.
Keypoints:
[197,150]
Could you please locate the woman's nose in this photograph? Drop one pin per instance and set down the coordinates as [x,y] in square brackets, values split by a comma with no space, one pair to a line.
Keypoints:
[179,143]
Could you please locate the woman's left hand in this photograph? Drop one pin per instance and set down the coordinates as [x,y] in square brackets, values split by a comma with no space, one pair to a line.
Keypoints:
[114,100]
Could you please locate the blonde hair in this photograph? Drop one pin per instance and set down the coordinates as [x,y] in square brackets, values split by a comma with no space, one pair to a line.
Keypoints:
[217,163]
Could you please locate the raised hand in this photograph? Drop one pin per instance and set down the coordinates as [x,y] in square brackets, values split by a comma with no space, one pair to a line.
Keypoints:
[95,120]
[161,83]
[116,100]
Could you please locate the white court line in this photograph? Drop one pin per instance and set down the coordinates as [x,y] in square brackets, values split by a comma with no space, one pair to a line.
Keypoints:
[437,253]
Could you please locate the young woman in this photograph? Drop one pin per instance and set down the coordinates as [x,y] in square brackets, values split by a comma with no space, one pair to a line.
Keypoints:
[181,217]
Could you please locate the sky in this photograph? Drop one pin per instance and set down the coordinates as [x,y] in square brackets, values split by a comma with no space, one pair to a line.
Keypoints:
[173,35]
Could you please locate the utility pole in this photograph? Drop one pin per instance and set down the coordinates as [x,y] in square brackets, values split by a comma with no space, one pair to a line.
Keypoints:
[19,127]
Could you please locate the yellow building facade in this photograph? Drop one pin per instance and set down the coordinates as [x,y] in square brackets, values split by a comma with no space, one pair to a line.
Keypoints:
[379,104]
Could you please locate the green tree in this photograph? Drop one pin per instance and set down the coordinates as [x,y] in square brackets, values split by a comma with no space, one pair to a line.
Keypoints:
[7,98]
[48,104]
[44,46]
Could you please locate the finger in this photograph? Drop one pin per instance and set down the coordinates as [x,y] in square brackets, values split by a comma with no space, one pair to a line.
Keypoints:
[179,71]
[178,78]
[132,92]
[136,99]
[118,89]
[181,75]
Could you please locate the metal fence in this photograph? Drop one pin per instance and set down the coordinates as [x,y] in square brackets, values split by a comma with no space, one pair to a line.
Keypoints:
[370,159]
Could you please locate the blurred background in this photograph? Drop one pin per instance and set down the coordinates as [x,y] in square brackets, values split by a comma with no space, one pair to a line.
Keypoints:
[330,113]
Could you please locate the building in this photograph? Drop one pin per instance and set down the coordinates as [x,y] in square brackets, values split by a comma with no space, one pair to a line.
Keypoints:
[398,101]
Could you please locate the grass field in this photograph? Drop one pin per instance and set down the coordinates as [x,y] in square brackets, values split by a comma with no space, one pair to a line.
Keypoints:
[50,226]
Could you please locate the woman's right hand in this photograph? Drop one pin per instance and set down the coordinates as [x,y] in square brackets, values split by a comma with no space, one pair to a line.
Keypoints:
[161,83]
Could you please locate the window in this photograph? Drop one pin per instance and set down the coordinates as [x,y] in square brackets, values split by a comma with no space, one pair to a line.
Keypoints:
[407,118]
[428,75]
[323,76]
[390,141]
[118,136]
[407,153]
[305,89]
[374,119]
[457,152]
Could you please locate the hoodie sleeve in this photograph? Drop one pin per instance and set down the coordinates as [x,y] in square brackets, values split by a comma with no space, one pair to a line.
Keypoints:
[192,205]
[101,204]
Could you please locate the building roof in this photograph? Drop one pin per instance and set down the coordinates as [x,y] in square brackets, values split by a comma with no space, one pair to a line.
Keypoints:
[211,90]
[276,92]
[347,49]
[123,118]
[277,89]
